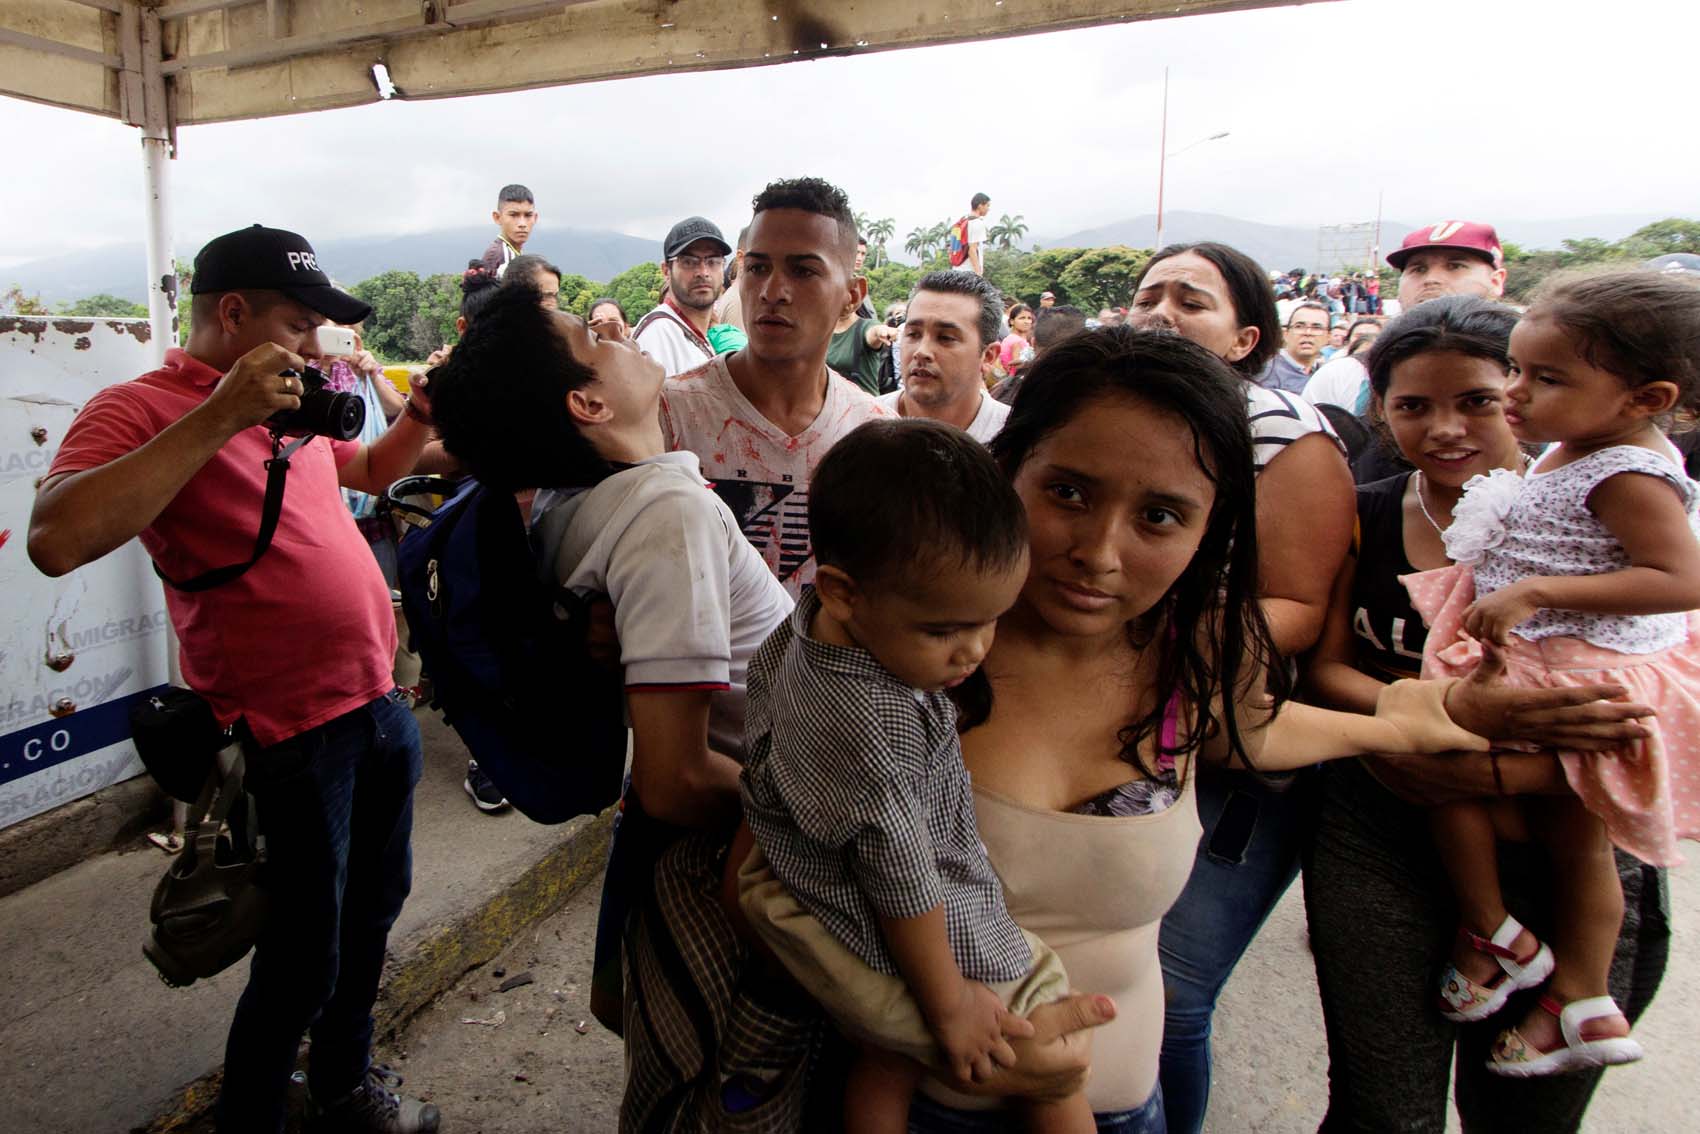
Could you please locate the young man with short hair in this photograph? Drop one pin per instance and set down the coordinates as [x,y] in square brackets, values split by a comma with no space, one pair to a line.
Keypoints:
[865,309]
[294,653]
[761,418]
[675,334]
[1449,258]
[515,217]
[949,337]
[978,207]
[1307,331]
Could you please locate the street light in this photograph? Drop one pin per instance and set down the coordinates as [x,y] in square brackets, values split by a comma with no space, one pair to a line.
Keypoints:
[1195,145]
[1163,155]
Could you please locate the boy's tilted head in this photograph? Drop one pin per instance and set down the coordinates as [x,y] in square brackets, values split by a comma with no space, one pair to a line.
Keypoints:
[921,544]
[515,214]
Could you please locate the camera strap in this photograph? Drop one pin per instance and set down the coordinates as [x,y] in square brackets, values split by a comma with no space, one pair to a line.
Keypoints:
[276,470]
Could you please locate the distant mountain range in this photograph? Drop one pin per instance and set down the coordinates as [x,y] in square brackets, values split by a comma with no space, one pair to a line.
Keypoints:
[1279,247]
[120,269]
[599,254]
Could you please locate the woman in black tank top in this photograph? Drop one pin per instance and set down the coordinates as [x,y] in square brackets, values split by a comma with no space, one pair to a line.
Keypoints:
[1378,904]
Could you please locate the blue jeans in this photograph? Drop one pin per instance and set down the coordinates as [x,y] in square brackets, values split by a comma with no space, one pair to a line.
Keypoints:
[1247,857]
[335,807]
[929,1117]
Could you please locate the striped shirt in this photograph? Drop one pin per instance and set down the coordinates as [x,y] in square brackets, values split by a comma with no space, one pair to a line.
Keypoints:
[1278,419]
[854,787]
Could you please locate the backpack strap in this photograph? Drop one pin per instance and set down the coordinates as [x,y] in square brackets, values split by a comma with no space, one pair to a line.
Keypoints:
[665,311]
[207,817]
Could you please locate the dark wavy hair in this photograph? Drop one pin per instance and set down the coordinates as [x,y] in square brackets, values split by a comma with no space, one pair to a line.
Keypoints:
[1211,639]
[1459,324]
[1639,326]
[1249,290]
[477,285]
[500,400]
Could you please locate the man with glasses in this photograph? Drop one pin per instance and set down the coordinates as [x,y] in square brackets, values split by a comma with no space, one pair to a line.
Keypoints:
[675,334]
[1307,334]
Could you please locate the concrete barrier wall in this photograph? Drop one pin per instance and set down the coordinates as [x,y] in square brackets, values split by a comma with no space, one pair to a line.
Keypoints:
[74,651]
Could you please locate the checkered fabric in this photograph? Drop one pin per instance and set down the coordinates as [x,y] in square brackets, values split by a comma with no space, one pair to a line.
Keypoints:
[700,1013]
[854,787]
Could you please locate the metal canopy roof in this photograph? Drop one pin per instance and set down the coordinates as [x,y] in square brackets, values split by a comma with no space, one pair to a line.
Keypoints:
[163,63]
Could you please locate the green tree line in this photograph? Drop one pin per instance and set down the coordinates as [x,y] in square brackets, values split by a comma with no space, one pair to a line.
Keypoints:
[1527,270]
[413,315]
[1088,278]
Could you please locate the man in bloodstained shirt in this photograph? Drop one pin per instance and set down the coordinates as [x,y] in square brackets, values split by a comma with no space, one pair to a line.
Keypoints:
[760,419]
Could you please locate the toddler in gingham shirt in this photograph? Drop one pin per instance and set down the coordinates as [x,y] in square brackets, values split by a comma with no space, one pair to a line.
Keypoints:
[854,785]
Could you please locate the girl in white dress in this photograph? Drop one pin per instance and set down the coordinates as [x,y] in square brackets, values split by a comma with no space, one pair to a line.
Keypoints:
[1583,571]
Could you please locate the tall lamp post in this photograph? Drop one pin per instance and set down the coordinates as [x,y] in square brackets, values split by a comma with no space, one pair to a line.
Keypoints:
[1163,155]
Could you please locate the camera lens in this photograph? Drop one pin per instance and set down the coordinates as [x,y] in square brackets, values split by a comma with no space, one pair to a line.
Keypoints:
[341,416]
[332,415]
[322,412]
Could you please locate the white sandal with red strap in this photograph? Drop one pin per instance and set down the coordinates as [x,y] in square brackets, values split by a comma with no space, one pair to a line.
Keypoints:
[1464,1001]
[1513,1056]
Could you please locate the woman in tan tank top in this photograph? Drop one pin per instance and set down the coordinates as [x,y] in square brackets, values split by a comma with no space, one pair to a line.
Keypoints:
[1104,686]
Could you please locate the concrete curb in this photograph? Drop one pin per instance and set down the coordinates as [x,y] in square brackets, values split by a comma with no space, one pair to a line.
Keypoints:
[431,965]
[43,845]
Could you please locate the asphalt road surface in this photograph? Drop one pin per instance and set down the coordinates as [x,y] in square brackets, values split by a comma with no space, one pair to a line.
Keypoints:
[537,1072]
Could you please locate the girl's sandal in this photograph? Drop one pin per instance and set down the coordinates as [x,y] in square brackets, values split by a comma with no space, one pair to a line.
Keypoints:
[1514,1057]
[1464,1001]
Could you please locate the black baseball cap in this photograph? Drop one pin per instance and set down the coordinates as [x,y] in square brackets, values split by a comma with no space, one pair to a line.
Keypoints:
[690,230]
[271,259]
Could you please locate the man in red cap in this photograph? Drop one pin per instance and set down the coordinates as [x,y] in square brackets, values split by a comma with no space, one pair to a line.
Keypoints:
[289,637]
[1449,258]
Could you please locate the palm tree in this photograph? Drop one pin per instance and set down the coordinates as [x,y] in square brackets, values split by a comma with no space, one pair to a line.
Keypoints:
[1008,230]
[917,243]
[938,237]
[861,220]
[879,232]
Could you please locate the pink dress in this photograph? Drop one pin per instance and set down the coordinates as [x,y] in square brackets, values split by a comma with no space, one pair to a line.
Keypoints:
[1014,352]
[1647,792]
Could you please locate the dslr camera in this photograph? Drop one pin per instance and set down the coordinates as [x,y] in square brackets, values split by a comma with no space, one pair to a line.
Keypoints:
[322,412]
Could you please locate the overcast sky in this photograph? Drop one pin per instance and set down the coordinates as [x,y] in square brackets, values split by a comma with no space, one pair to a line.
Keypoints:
[1482,108]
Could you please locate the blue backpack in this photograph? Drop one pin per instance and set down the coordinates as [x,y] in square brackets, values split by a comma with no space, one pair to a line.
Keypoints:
[505,650]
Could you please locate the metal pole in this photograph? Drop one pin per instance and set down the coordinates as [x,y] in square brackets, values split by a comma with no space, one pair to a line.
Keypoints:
[1162,157]
[156,173]
[1375,249]
[162,270]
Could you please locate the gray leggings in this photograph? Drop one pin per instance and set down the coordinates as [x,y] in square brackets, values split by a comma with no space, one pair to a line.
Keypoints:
[1382,921]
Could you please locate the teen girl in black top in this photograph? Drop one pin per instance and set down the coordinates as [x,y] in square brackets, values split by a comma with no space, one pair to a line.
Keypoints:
[1378,904]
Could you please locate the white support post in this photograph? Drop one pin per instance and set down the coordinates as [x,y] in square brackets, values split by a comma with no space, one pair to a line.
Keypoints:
[157,145]
[162,270]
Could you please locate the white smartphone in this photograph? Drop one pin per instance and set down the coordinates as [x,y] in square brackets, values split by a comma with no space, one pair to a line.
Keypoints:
[335,342]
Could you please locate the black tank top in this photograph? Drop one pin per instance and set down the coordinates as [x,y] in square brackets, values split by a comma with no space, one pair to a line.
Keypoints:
[1390,633]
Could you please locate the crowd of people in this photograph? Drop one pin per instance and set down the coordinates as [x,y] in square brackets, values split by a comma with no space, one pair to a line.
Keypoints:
[991,670]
